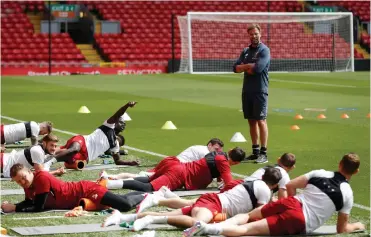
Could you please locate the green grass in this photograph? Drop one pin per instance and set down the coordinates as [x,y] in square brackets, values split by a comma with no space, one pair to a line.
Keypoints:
[204,106]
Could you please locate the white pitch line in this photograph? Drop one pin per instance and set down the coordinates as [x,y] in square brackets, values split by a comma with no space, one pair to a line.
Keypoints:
[154,154]
[302,82]
[313,83]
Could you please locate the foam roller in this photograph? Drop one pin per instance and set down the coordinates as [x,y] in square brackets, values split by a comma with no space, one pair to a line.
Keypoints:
[219,217]
[77,165]
[88,205]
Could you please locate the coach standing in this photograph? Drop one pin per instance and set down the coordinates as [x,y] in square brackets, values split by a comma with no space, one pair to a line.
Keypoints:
[254,61]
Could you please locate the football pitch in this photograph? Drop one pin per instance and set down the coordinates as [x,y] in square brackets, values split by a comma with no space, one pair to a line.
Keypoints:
[202,107]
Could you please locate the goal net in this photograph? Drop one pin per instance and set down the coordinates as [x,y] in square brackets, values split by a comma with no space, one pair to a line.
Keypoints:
[299,42]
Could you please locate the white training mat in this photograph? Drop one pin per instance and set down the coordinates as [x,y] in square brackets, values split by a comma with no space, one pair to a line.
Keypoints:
[5,179]
[186,193]
[323,230]
[11,191]
[78,228]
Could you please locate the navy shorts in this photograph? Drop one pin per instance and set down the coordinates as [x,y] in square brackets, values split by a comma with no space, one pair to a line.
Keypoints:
[255,105]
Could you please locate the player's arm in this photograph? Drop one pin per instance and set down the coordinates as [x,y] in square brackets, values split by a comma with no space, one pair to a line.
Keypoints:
[34,140]
[38,167]
[238,66]
[343,225]
[262,62]
[38,158]
[114,118]
[299,182]
[224,171]
[282,193]
[66,154]
[58,172]
[118,161]
[37,206]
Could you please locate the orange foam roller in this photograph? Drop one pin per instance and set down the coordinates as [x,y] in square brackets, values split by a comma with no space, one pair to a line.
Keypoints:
[77,165]
[219,217]
[89,205]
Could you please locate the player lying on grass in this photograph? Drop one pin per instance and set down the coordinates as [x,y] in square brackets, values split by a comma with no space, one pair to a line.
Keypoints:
[31,157]
[241,199]
[44,191]
[170,172]
[325,192]
[12,133]
[88,148]
[192,153]
[285,164]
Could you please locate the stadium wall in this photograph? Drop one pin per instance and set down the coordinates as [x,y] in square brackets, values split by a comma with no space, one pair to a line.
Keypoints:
[65,71]
[277,65]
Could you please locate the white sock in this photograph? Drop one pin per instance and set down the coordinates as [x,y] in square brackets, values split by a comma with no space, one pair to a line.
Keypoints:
[128,217]
[159,219]
[213,229]
[115,184]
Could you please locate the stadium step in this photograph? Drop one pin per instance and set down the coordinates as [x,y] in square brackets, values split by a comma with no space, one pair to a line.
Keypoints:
[362,51]
[97,25]
[89,53]
[35,19]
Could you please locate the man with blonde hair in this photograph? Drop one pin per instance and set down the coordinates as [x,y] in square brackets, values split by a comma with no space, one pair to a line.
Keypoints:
[12,133]
[324,193]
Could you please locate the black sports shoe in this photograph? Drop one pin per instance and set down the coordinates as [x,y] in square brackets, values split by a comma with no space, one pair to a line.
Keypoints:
[261,159]
[251,157]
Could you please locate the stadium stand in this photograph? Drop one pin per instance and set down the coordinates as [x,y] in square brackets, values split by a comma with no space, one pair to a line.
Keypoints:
[146,37]
[22,47]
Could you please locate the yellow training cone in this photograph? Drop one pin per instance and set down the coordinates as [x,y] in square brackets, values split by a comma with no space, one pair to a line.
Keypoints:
[169,126]
[298,116]
[83,110]
[344,116]
[295,127]
[321,116]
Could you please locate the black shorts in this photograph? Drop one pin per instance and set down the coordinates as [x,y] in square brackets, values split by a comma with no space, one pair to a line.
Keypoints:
[255,105]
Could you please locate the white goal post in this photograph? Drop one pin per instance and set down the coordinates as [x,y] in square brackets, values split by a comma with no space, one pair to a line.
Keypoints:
[299,41]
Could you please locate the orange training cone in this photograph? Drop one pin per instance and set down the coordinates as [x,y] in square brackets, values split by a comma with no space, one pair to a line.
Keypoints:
[295,127]
[298,116]
[369,115]
[344,116]
[321,116]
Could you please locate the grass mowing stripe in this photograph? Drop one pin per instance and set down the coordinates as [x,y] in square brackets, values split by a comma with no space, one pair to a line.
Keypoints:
[300,82]
[158,155]
[313,83]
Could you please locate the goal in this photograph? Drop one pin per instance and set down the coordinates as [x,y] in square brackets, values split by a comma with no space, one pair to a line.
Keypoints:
[299,42]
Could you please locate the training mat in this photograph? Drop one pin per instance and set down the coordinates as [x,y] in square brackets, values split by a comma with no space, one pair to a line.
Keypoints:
[323,230]
[79,228]
[11,191]
[101,167]
[194,192]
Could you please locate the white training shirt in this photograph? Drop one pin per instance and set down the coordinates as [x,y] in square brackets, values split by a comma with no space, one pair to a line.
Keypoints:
[37,155]
[258,174]
[317,206]
[193,153]
[237,200]
[97,143]
[17,132]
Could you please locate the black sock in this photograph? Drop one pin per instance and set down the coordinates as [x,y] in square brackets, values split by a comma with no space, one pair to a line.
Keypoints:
[263,150]
[255,149]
